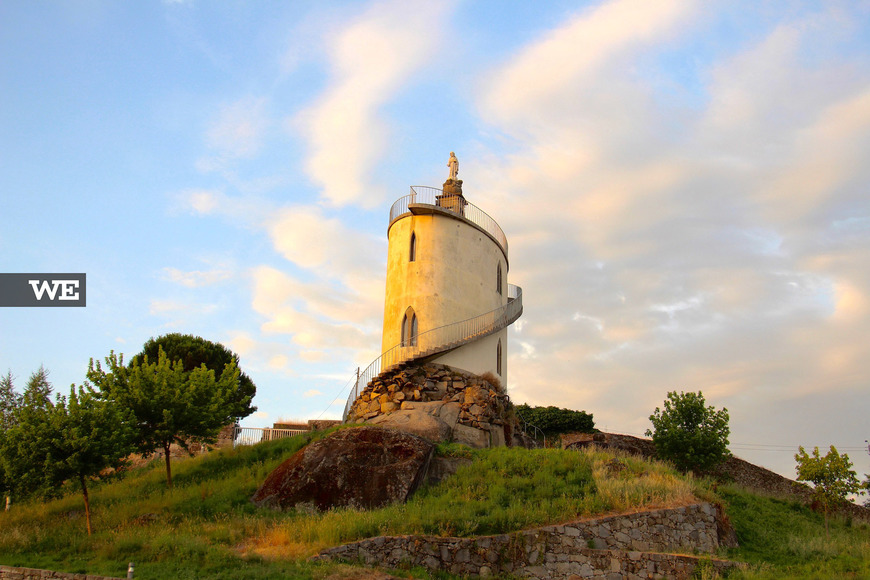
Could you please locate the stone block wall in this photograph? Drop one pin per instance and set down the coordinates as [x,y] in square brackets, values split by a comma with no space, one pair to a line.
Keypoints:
[10,573]
[610,547]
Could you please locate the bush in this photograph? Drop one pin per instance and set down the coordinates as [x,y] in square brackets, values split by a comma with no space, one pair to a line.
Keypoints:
[692,436]
[555,421]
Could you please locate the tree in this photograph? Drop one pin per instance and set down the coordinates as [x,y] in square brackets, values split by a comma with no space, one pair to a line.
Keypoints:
[168,404]
[691,435]
[195,351]
[832,477]
[9,403]
[72,438]
[21,475]
[38,390]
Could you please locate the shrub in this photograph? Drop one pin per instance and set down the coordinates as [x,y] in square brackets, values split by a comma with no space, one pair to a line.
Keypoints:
[689,434]
[555,421]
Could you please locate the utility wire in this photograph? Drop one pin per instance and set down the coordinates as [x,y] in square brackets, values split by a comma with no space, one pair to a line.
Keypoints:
[352,379]
[763,446]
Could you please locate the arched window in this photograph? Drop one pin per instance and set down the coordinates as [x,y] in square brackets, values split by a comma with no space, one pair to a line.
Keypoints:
[412,254]
[498,279]
[498,358]
[409,328]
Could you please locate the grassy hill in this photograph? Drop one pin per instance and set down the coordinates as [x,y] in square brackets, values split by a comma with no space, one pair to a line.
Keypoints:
[206,527]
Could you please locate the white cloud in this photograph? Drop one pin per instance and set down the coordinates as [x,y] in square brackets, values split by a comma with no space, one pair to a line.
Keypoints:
[316,315]
[197,278]
[170,307]
[704,249]
[312,240]
[370,60]
[278,362]
[564,64]
[311,393]
[238,131]
[201,201]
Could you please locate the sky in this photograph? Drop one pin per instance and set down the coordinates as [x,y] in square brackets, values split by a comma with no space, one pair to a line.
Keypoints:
[684,186]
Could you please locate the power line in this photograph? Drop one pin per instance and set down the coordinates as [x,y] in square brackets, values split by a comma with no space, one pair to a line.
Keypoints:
[764,446]
[352,379]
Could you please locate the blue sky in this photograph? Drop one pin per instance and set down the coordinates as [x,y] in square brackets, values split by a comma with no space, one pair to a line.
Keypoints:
[684,187]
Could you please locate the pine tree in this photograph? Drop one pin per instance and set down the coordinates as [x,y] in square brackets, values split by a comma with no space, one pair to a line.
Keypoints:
[37,392]
[9,401]
[21,447]
[195,351]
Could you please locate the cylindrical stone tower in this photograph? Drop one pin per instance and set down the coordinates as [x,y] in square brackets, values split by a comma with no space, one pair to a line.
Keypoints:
[447,297]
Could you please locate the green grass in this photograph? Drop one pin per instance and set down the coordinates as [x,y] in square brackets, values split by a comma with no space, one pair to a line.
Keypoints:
[206,526]
[504,490]
[785,539]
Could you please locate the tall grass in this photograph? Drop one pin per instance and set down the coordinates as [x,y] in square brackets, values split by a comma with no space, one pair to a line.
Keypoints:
[193,530]
[785,539]
[503,490]
[206,527]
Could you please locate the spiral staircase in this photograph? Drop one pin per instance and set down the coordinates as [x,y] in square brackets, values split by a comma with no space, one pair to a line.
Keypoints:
[427,345]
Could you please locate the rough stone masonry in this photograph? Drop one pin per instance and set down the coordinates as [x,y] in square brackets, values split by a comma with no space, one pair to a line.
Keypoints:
[440,404]
[615,547]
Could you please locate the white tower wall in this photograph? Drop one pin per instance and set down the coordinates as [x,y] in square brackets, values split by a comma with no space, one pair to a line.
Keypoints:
[454,276]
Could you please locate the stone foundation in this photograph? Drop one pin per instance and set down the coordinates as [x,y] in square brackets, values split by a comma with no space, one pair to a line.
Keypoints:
[10,573]
[441,404]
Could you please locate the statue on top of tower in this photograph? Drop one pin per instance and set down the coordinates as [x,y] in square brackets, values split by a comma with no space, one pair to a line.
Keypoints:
[453,164]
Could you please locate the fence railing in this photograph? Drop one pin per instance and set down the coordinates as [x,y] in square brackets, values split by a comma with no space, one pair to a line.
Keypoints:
[254,435]
[440,339]
[421,194]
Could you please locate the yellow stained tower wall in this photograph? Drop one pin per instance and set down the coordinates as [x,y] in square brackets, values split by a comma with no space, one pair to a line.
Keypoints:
[453,277]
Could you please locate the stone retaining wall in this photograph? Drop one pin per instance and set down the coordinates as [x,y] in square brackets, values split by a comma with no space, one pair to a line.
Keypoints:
[10,573]
[610,547]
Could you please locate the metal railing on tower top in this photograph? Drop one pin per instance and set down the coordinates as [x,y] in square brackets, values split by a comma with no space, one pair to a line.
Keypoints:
[433,196]
[439,340]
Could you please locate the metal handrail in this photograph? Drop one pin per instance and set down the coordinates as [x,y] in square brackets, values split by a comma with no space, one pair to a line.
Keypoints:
[526,427]
[423,195]
[254,435]
[439,340]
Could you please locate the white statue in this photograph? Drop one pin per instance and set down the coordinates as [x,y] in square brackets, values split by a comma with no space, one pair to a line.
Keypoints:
[453,164]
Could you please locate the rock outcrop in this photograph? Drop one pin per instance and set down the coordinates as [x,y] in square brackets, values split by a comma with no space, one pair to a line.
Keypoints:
[441,404]
[363,467]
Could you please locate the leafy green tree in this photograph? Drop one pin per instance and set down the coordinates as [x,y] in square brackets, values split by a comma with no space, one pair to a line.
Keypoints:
[168,404]
[690,434]
[832,477]
[195,351]
[554,421]
[72,438]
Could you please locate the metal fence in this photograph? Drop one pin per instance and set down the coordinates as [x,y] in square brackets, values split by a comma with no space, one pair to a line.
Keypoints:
[424,195]
[441,339]
[254,435]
